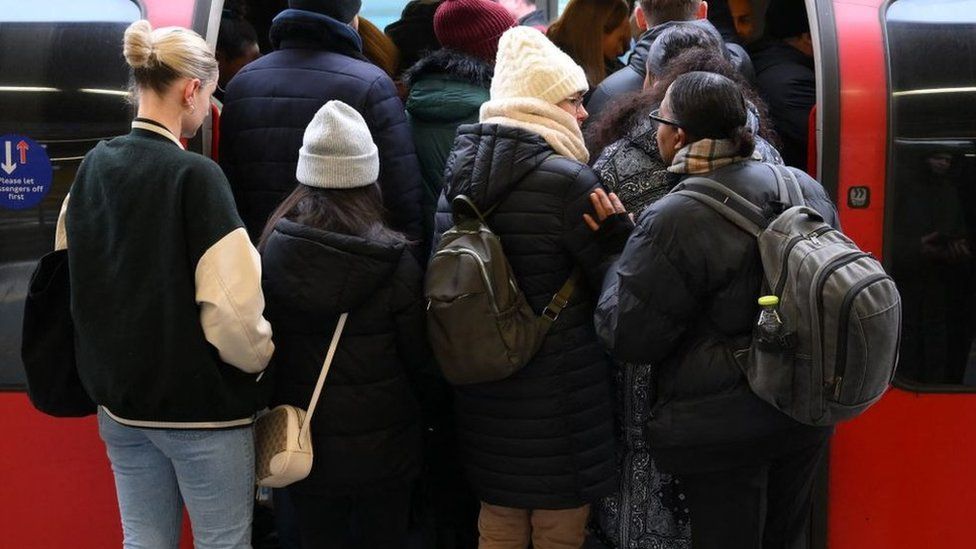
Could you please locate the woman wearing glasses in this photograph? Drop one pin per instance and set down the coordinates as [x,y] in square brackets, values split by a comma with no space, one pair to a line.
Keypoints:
[623,139]
[682,296]
[539,445]
[648,510]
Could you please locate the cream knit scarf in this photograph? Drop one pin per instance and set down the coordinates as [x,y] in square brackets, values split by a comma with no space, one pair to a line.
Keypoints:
[556,126]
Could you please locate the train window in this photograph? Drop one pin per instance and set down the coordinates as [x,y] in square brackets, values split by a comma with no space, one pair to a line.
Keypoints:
[63,84]
[930,233]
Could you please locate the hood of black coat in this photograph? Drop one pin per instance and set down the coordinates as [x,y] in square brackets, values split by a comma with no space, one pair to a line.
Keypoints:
[413,33]
[453,64]
[309,273]
[638,59]
[488,160]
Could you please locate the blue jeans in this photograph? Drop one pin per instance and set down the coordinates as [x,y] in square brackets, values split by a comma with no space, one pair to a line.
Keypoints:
[157,470]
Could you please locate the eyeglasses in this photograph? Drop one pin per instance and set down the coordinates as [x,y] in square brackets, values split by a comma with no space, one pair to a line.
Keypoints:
[576,101]
[656,116]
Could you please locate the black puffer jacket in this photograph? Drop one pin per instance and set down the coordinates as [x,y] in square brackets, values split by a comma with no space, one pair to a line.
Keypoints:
[631,77]
[543,438]
[366,429]
[271,101]
[683,296]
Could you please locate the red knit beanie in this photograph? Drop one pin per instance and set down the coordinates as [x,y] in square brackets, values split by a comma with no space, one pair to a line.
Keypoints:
[472,26]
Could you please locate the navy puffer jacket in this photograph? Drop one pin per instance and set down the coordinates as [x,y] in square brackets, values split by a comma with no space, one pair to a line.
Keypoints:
[542,438]
[270,102]
[683,295]
[366,432]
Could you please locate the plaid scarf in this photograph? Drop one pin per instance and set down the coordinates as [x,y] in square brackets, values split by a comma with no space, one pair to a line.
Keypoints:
[706,155]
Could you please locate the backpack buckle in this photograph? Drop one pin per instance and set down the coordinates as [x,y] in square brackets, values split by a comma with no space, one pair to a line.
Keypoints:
[550,314]
[555,307]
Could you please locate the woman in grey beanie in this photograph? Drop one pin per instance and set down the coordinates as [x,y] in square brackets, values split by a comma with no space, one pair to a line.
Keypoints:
[328,250]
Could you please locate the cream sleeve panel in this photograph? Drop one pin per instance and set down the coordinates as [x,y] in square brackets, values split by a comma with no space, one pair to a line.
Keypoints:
[228,290]
[60,233]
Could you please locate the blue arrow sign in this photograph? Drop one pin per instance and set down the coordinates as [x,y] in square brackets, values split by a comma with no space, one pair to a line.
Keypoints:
[25,172]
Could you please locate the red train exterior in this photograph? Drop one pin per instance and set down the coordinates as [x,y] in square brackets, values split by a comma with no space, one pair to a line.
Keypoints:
[900,476]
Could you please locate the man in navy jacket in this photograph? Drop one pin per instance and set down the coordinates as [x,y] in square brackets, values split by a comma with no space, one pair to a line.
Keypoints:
[318,57]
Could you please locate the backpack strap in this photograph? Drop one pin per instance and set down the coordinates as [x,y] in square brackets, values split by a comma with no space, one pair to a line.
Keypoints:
[790,193]
[463,206]
[561,299]
[729,204]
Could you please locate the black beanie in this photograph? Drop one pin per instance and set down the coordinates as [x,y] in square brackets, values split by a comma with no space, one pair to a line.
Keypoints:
[340,10]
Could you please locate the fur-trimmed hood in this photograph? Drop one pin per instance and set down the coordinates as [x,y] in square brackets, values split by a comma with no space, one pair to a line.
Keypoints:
[454,64]
[447,87]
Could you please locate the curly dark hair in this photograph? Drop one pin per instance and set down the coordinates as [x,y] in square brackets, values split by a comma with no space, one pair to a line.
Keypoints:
[625,112]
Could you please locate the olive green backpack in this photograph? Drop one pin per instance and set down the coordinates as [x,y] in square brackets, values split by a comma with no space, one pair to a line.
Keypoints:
[479,323]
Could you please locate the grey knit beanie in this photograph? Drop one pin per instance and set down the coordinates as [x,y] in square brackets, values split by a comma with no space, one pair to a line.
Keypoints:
[337,151]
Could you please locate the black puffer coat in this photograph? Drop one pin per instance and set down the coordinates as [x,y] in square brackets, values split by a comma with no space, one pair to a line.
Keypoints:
[366,429]
[270,102]
[543,438]
[683,296]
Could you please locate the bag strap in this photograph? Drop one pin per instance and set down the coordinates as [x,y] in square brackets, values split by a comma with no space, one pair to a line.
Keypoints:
[561,299]
[463,202]
[325,371]
[729,204]
[790,193]
[466,201]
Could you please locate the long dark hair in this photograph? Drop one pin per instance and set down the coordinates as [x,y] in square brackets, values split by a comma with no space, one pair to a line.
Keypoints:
[357,212]
[711,106]
[626,112]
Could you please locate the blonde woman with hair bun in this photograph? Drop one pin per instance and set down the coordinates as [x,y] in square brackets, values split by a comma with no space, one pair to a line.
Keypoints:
[171,341]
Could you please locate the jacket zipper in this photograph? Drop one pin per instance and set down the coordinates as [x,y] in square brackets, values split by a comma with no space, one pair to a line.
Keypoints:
[845,317]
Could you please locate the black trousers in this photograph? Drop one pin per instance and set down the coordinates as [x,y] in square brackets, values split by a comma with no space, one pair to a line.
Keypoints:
[375,520]
[762,506]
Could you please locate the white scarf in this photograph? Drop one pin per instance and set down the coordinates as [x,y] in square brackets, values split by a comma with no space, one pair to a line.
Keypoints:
[556,126]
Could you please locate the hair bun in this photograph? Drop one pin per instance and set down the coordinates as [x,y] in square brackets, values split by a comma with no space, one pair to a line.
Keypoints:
[138,47]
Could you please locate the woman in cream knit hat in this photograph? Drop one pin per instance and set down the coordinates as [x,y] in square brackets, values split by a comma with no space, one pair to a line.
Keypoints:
[538,446]
[327,250]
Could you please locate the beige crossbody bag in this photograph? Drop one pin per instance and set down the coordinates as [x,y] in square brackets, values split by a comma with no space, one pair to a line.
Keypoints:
[282,442]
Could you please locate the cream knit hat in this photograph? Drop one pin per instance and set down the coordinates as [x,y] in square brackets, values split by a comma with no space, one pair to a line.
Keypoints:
[529,65]
[337,151]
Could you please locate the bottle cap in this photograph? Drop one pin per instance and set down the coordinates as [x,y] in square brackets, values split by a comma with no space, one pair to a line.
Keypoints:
[768,301]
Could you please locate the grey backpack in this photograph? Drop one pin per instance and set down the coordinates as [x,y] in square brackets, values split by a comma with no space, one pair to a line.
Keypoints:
[840,311]
[479,324]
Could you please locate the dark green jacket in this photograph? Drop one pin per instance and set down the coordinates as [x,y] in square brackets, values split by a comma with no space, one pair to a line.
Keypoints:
[447,89]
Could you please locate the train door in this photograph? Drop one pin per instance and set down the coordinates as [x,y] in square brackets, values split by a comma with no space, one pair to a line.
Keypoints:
[63,88]
[896,112]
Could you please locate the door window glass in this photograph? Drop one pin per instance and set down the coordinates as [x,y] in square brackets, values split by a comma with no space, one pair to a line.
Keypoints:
[931,218]
[63,84]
